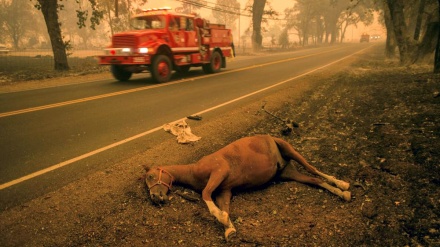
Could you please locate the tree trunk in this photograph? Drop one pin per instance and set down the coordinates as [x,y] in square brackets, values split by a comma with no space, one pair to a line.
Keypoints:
[437,50]
[335,35]
[320,30]
[331,27]
[49,8]
[257,17]
[305,32]
[419,20]
[398,19]
[343,31]
[390,45]
[429,42]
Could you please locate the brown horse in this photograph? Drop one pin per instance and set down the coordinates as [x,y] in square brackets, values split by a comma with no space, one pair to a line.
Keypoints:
[246,163]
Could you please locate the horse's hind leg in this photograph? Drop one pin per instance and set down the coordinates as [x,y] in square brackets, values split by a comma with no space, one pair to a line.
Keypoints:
[290,173]
[223,201]
[288,152]
[339,183]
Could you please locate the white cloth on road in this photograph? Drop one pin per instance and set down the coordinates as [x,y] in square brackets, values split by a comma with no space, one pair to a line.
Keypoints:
[182,130]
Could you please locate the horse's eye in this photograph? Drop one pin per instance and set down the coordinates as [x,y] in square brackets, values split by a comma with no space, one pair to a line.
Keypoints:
[150,177]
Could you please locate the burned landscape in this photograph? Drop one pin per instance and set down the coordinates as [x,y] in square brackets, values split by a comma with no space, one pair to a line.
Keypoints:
[373,123]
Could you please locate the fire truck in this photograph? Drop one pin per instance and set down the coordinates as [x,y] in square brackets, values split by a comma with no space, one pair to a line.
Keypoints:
[163,41]
[365,38]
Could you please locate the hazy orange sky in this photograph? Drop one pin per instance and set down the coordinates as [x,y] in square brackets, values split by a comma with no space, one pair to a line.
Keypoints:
[278,5]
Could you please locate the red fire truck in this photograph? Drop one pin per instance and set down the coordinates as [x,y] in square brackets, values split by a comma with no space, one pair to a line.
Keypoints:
[365,38]
[163,41]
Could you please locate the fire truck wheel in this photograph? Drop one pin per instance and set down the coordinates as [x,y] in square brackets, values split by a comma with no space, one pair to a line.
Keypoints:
[215,65]
[120,73]
[161,68]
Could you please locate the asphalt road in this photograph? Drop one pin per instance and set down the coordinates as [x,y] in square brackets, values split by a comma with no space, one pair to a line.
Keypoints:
[50,137]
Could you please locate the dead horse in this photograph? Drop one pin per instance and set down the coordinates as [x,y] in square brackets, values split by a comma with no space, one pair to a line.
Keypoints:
[246,163]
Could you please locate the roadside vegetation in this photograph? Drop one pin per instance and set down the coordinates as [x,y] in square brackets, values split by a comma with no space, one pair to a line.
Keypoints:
[16,69]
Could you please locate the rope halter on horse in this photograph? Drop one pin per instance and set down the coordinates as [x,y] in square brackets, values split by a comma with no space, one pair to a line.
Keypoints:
[160,182]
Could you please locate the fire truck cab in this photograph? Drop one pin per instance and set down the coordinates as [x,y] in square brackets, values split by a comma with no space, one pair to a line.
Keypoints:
[163,41]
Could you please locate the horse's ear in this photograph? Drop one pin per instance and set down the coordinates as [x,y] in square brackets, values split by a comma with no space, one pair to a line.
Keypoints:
[144,176]
[146,168]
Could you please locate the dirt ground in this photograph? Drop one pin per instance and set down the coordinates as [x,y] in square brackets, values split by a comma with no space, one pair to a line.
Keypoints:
[373,123]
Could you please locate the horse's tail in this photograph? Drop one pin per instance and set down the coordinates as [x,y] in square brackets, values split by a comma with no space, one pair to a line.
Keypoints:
[289,153]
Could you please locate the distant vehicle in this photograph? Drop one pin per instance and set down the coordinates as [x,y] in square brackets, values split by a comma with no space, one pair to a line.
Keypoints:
[4,49]
[164,41]
[365,38]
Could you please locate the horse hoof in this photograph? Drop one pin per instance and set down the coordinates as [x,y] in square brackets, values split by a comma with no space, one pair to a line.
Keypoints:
[230,233]
[342,185]
[346,195]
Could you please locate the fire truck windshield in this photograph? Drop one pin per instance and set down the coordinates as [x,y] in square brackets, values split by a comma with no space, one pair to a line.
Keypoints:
[148,22]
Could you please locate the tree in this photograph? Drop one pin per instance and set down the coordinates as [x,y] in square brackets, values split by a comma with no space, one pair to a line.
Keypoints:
[326,19]
[78,36]
[50,9]
[390,43]
[407,29]
[437,50]
[419,19]
[304,17]
[257,17]
[331,17]
[291,23]
[16,18]
[355,13]
[260,10]
[284,39]
[118,14]
[320,19]
[400,29]
[189,7]
[274,33]
[226,12]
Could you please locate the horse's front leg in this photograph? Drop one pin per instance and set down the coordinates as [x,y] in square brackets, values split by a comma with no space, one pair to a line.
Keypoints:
[221,216]
[224,201]
[213,182]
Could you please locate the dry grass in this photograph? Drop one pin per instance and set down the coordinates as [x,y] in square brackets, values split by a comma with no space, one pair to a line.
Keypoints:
[25,68]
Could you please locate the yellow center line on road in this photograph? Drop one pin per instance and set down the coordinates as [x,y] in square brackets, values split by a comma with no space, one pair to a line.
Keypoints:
[97,151]
[102,96]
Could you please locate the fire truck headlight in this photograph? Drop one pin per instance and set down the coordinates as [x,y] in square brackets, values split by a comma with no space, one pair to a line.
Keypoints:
[127,50]
[143,50]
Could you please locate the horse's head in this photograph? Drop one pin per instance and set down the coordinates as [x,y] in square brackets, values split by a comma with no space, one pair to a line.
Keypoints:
[159,182]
